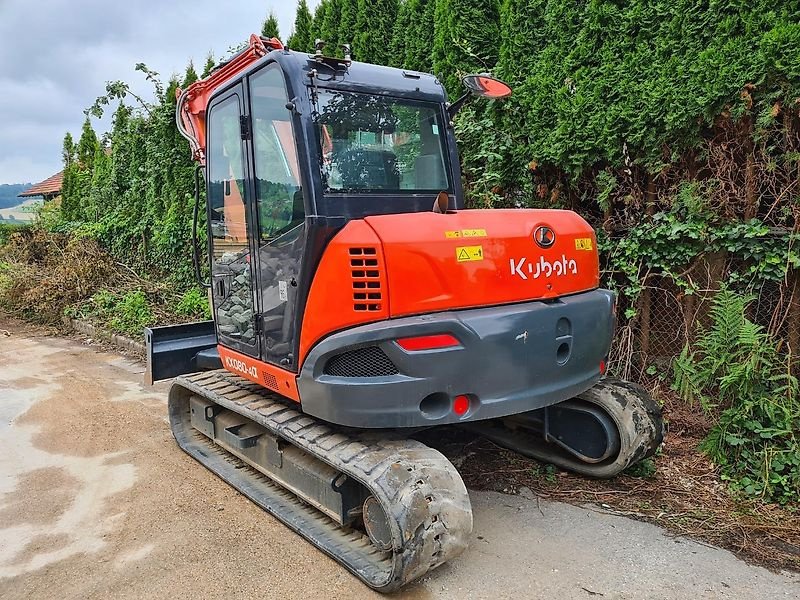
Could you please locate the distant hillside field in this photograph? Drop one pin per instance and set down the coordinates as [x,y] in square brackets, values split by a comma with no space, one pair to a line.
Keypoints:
[9,191]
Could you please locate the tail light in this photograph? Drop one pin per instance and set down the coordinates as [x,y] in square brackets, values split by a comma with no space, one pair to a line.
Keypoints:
[461,405]
[428,342]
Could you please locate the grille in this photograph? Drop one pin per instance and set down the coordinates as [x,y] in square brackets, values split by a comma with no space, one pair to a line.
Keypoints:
[364,362]
[270,381]
[365,271]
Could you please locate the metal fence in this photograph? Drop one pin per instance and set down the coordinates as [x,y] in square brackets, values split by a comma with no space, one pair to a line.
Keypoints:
[667,318]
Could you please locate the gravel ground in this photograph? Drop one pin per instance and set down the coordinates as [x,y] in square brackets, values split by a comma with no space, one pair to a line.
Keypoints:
[97,501]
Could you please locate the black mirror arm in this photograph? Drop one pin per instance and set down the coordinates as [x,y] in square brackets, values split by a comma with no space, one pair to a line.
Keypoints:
[456,106]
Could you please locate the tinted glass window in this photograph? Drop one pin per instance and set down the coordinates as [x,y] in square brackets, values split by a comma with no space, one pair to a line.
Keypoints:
[370,143]
[230,266]
[279,194]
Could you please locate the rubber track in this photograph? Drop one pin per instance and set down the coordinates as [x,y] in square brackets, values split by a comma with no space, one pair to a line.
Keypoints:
[637,417]
[419,489]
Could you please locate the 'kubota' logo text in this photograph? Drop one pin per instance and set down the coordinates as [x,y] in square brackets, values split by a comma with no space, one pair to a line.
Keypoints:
[241,367]
[543,268]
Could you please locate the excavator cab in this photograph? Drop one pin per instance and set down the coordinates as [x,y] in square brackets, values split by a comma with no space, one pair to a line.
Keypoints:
[351,291]
[296,147]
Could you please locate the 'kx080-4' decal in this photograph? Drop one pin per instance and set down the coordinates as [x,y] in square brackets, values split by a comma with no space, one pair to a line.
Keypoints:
[543,268]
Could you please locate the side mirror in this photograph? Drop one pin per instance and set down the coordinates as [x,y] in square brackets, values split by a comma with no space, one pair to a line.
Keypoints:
[482,85]
[486,86]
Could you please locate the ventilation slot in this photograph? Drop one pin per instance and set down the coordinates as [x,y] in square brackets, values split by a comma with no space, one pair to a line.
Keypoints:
[364,362]
[269,380]
[366,277]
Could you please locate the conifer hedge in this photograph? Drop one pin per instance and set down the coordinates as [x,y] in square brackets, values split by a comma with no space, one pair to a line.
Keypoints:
[619,108]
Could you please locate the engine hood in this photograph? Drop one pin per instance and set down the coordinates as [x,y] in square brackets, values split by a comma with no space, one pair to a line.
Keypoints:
[473,258]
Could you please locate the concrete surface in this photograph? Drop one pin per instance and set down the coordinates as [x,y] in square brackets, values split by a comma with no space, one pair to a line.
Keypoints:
[96,501]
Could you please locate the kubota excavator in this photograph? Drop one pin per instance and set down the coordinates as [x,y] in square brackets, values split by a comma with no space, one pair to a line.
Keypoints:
[356,303]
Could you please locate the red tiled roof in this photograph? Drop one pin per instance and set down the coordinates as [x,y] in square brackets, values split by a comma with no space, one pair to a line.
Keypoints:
[49,187]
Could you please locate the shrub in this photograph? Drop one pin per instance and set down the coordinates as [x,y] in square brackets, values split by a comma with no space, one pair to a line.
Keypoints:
[193,303]
[740,370]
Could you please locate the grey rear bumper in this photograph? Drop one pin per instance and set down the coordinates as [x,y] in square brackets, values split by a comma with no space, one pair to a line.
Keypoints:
[511,359]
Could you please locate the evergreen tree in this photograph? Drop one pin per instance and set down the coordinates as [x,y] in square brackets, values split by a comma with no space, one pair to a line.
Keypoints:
[209,66]
[400,35]
[270,27]
[320,16]
[467,39]
[374,24]
[301,37]
[190,76]
[78,173]
[329,31]
[87,146]
[68,183]
[420,35]
[68,150]
[347,22]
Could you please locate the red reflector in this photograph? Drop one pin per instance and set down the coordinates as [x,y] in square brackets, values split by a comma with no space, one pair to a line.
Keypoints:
[602,367]
[460,405]
[428,342]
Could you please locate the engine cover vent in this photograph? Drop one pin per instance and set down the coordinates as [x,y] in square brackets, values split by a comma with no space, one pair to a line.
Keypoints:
[363,362]
[365,270]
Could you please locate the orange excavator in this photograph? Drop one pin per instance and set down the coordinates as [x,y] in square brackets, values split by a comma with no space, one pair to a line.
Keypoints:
[356,303]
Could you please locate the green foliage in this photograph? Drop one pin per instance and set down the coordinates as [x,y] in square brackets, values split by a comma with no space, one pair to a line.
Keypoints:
[123,313]
[194,304]
[269,29]
[330,27]
[8,229]
[739,368]
[419,36]
[138,193]
[373,30]
[347,22]
[190,76]
[585,97]
[467,39]
[301,37]
[400,35]
[207,68]
[645,469]
[670,241]
[320,18]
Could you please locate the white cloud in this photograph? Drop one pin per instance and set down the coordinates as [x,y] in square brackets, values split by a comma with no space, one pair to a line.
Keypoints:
[57,56]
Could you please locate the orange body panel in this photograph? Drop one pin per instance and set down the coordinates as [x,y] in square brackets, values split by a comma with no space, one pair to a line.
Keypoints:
[474,258]
[269,376]
[349,288]
[428,262]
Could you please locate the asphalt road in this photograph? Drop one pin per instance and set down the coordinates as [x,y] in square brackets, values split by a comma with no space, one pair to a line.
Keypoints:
[96,501]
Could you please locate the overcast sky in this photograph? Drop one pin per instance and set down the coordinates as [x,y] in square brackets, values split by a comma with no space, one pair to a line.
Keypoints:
[56,56]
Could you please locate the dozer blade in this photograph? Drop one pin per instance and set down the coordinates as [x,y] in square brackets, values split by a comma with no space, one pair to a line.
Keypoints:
[389,510]
[599,433]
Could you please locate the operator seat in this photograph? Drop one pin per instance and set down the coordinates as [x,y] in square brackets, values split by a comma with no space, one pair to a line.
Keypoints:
[369,169]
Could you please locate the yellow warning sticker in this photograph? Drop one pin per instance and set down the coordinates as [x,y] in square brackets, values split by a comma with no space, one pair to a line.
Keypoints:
[466,233]
[469,253]
[583,244]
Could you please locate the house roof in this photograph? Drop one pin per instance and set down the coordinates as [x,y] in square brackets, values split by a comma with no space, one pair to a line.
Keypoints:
[49,187]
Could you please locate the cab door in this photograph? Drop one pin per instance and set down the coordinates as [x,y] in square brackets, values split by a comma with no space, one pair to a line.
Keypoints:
[230,225]
[280,211]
